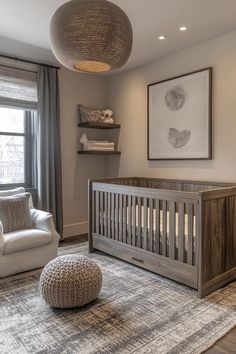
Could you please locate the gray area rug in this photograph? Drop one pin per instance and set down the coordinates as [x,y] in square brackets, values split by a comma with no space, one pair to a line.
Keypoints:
[137,312]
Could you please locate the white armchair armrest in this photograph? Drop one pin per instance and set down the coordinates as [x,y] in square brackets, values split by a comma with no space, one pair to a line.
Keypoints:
[43,221]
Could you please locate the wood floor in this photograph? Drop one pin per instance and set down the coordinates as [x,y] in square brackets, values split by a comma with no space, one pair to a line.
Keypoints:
[226,345]
[75,239]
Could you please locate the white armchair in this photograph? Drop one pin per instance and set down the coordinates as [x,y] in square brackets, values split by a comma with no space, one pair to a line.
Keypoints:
[28,249]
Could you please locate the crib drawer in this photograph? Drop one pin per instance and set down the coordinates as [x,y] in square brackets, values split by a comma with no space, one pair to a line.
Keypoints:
[175,270]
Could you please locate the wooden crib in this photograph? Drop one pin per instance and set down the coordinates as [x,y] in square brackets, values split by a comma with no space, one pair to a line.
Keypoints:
[183,230]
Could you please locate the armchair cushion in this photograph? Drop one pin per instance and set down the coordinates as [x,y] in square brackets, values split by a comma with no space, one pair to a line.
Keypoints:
[24,239]
[19,190]
[15,213]
[10,192]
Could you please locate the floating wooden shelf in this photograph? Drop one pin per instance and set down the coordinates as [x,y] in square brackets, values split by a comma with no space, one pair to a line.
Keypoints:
[99,152]
[99,126]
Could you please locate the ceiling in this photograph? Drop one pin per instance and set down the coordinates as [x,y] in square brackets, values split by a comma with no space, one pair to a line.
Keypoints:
[28,21]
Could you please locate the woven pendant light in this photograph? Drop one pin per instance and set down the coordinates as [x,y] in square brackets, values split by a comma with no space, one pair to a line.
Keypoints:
[91,35]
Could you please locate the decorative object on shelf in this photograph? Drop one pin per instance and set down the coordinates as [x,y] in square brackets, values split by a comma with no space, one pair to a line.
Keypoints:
[180,117]
[90,115]
[95,145]
[91,35]
[106,116]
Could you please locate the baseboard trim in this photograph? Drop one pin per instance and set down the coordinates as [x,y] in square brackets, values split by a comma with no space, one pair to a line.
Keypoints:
[71,230]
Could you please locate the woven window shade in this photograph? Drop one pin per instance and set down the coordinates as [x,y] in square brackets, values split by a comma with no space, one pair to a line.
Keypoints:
[91,35]
[18,88]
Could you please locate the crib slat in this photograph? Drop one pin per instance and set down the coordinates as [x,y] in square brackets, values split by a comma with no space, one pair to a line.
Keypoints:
[196,231]
[133,236]
[97,212]
[113,216]
[150,228]
[190,233]
[164,228]
[116,217]
[105,214]
[120,217]
[124,219]
[94,212]
[145,224]
[139,226]
[172,244]
[109,216]
[129,220]
[181,227]
[101,214]
[157,231]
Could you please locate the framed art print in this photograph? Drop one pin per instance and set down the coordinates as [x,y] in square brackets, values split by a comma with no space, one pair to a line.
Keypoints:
[180,117]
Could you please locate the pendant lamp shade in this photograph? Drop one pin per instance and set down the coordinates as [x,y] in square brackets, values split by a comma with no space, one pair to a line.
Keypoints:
[91,35]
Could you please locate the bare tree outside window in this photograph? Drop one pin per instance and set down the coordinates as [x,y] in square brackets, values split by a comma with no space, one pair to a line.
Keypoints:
[12,146]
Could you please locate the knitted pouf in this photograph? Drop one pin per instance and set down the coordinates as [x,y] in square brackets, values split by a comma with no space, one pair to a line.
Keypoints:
[70,281]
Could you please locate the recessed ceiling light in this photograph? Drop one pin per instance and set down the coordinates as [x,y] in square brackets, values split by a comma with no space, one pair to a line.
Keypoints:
[162,37]
[183,28]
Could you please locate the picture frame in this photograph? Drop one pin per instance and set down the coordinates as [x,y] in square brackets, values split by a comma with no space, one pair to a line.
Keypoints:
[179,123]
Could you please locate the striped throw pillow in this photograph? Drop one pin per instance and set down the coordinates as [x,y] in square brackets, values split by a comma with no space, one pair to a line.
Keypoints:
[15,213]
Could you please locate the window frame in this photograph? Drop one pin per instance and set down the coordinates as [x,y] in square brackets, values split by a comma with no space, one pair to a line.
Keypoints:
[28,148]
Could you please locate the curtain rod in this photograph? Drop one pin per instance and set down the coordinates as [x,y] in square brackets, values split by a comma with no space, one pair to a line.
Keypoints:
[28,61]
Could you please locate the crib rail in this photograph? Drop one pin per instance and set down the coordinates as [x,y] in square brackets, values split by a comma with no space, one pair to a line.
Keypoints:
[165,223]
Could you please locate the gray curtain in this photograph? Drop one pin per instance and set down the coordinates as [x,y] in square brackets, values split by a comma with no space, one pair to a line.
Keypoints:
[49,147]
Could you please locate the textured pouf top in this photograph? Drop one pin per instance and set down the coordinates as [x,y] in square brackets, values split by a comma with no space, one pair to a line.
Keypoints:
[70,281]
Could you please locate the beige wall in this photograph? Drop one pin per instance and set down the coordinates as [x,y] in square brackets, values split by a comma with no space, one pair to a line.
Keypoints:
[89,90]
[128,98]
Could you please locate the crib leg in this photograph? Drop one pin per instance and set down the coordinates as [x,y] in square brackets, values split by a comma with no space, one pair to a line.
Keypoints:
[201,294]
[91,248]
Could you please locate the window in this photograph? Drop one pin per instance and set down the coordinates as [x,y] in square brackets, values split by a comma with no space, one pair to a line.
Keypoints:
[18,104]
[15,147]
